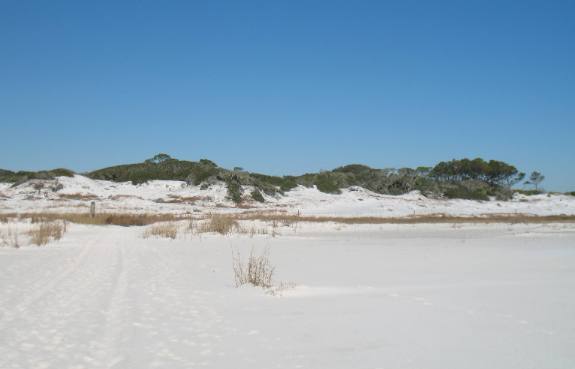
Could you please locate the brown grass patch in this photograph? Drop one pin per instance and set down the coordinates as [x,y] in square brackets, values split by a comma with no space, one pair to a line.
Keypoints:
[78,196]
[246,205]
[226,222]
[218,223]
[121,219]
[165,230]
[175,199]
[124,197]
[44,232]
[287,219]
[257,270]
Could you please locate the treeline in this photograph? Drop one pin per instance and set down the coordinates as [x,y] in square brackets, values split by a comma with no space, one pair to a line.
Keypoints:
[470,179]
[495,173]
[18,177]
[466,178]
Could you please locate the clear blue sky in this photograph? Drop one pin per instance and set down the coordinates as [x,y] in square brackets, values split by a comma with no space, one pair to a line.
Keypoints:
[286,87]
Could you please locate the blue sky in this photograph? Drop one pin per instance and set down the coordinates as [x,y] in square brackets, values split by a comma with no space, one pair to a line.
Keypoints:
[285,87]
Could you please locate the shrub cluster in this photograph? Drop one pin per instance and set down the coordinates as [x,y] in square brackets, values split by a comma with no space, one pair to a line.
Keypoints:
[23,176]
[257,196]
[495,173]
[160,166]
[465,178]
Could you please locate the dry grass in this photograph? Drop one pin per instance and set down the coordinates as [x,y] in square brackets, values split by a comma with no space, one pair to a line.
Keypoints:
[257,270]
[253,231]
[78,196]
[121,219]
[164,230]
[246,205]
[222,224]
[225,223]
[44,232]
[175,199]
[218,223]
[124,197]
[9,237]
[287,219]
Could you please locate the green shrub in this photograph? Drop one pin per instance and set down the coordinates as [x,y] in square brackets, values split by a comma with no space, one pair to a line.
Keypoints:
[161,166]
[468,179]
[326,183]
[234,189]
[288,183]
[257,196]
[494,172]
[23,176]
[271,184]
[463,192]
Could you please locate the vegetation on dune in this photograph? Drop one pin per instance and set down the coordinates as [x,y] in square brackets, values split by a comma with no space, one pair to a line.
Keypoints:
[535,179]
[8,176]
[234,188]
[257,196]
[161,166]
[475,179]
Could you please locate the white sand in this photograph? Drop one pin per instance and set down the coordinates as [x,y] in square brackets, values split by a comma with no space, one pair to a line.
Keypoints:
[392,296]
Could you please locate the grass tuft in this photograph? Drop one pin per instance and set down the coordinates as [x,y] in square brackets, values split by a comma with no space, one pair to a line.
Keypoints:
[257,270]
[165,230]
[219,223]
[44,232]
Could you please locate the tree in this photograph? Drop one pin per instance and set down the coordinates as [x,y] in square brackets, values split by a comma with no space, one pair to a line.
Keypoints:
[535,179]
[495,173]
[159,158]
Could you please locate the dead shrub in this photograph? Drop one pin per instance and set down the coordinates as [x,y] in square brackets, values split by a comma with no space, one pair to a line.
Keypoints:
[257,270]
[165,230]
[44,232]
[219,223]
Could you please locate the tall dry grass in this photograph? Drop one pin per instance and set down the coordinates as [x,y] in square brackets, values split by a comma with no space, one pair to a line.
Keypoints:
[289,219]
[120,219]
[44,232]
[257,270]
[78,196]
[163,230]
[218,223]
[226,222]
